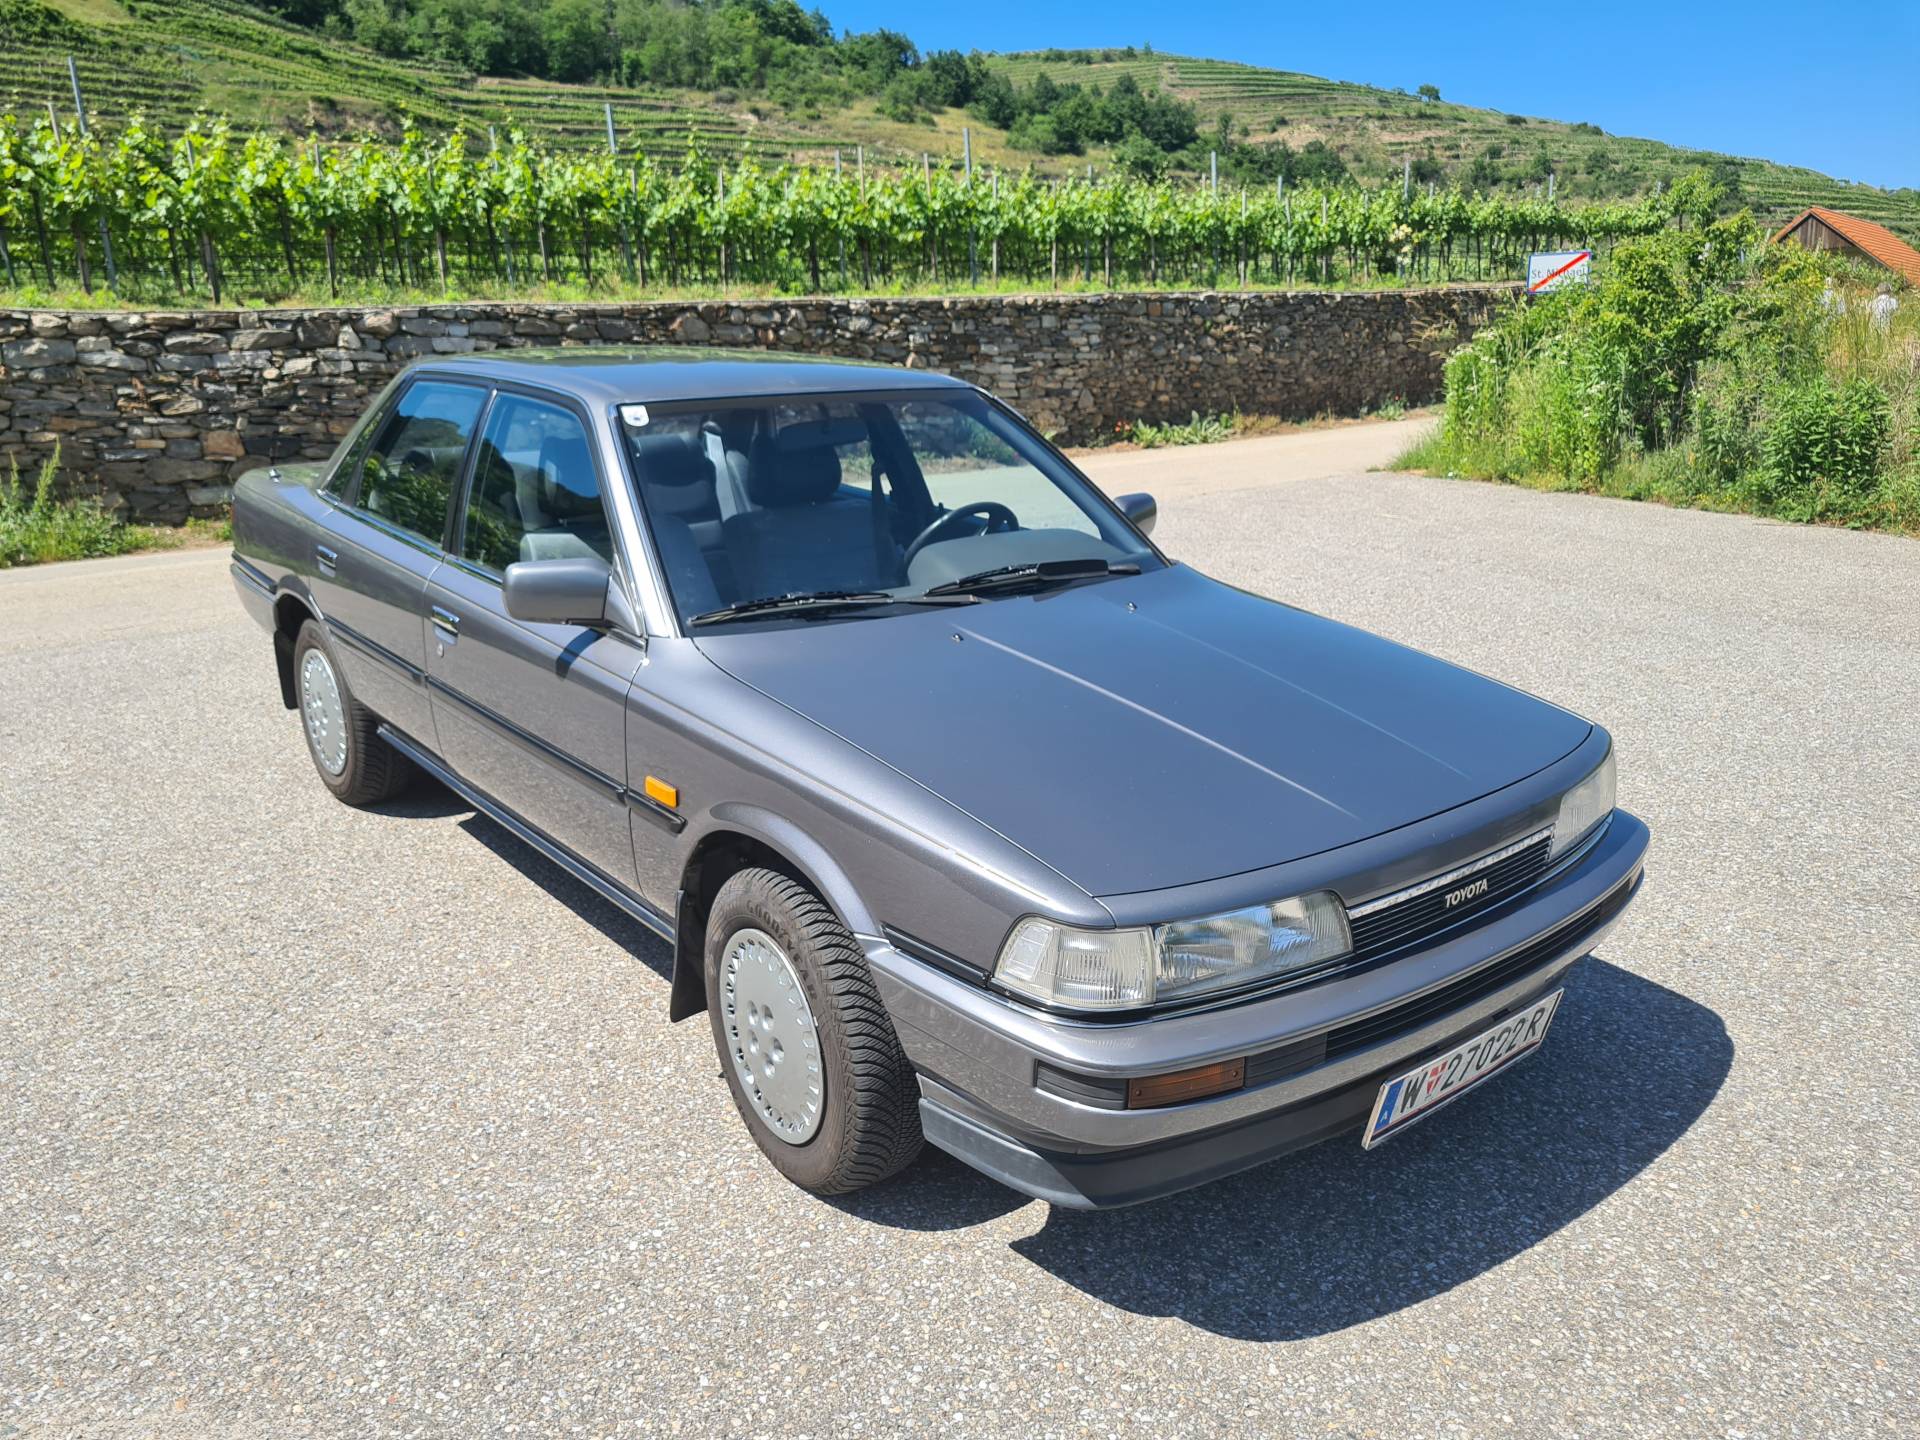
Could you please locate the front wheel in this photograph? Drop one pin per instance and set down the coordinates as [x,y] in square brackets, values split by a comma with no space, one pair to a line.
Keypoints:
[807,1049]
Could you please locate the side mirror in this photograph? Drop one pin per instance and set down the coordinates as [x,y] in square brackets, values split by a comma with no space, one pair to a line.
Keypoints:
[558,592]
[1140,509]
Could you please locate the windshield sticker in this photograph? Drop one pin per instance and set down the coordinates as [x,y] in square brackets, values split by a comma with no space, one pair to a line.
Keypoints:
[634,415]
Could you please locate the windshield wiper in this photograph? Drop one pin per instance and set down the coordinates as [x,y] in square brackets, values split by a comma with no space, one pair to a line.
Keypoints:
[800,601]
[1030,576]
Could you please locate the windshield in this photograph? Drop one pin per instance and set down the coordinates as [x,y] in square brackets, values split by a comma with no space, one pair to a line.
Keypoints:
[867,499]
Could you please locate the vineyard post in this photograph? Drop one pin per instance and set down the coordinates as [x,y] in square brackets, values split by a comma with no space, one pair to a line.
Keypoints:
[1243,237]
[626,235]
[1550,178]
[40,225]
[1086,245]
[439,233]
[208,262]
[1286,208]
[841,239]
[79,245]
[80,114]
[933,234]
[1213,226]
[333,271]
[996,226]
[866,240]
[1406,178]
[540,219]
[506,234]
[720,209]
[973,238]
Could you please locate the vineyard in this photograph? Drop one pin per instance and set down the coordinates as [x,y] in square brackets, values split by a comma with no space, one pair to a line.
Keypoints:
[212,212]
[172,61]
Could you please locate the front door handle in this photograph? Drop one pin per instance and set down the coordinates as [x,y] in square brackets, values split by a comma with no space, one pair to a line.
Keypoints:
[446,627]
[329,559]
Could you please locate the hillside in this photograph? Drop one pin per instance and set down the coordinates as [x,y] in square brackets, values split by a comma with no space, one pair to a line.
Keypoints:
[169,58]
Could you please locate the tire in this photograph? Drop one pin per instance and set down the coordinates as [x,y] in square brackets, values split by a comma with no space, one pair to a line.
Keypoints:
[342,740]
[805,1044]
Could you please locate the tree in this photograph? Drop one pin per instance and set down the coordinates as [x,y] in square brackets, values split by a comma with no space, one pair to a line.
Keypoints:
[1428,93]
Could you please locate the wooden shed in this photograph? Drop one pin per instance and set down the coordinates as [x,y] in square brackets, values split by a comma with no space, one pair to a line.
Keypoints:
[1818,228]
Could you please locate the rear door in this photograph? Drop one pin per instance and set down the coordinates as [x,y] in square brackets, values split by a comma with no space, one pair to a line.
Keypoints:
[385,536]
[534,715]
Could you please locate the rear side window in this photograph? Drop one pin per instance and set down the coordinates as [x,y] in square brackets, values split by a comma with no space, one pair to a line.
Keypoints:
[408,473]
[536,493]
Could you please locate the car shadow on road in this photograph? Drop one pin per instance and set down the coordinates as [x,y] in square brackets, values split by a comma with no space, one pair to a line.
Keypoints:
[1335,1236]
[606,917]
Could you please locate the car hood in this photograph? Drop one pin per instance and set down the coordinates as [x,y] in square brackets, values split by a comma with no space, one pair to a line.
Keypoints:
[1159,730]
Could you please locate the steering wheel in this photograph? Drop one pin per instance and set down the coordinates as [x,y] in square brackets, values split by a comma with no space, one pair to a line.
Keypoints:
[998,517]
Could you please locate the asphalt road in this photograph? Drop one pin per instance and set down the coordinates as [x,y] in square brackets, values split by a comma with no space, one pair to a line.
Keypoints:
[316,1122]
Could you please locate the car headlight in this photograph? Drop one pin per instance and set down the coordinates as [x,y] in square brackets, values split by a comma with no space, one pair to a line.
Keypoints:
[1583,807]
[1130,969]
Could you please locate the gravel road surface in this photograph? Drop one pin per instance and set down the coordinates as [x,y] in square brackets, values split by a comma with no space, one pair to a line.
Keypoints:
[318,1122]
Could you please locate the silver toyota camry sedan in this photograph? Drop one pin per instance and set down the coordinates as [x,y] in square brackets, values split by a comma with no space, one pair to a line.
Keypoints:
[969,815]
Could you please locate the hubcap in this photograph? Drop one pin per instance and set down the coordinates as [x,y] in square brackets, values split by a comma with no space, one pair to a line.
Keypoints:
[771,1036]
[323,712]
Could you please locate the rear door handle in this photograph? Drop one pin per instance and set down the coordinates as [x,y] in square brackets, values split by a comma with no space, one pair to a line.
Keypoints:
[329,559]
[446,626]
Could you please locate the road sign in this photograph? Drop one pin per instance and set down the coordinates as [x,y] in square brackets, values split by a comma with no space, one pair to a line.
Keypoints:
[1550,269]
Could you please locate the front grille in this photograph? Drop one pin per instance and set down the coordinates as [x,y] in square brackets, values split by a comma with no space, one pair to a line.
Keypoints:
[1393,923]
[1360,1034]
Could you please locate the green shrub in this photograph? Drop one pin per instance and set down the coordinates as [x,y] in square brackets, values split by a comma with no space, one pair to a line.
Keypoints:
[1723,425]
[1200,430]
[1821,445]
[36,528]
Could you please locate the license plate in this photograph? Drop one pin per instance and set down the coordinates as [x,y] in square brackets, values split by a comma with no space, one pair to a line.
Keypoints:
[1418,1093]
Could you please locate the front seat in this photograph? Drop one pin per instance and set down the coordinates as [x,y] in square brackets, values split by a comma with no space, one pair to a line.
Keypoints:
[801,534]
[676,482]
[566,500]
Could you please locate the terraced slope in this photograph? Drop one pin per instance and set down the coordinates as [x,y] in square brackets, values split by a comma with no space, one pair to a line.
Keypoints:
[1375,130]
[176,57]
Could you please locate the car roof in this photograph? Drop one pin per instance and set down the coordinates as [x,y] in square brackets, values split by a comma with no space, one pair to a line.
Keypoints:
[613,375]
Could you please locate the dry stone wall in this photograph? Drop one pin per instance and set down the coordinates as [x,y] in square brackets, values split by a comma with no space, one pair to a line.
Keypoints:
[159,412]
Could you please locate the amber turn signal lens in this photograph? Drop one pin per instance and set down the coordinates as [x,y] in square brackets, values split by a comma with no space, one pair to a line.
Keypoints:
[663,793]
[1144,1092]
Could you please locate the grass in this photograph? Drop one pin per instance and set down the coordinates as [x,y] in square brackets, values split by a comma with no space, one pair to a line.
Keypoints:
[1660,477]
[36,528]
[1209,430]
[1199,430]
[246,292]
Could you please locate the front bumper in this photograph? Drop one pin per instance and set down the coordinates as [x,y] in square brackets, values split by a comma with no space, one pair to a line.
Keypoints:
[982,1058]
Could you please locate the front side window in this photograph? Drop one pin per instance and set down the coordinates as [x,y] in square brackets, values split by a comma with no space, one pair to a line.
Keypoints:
[894,493]
[536,493]
[407,474]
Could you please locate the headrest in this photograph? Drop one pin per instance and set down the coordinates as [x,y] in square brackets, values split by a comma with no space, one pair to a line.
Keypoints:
[808,434]
[782,473]
[670,459]
[566,472]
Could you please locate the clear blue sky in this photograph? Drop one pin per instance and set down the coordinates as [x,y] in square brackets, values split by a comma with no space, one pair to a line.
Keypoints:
[1836,89]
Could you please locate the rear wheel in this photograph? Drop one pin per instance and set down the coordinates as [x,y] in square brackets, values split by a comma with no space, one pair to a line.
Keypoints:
[807,1049]
[342,735]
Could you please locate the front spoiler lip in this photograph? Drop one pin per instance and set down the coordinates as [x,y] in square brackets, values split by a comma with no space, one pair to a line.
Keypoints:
[984,1050]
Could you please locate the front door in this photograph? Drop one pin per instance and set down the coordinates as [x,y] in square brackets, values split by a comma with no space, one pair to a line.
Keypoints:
[384,538]
[534,715]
